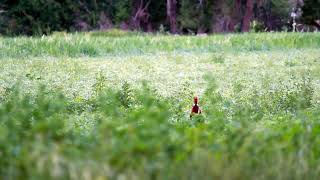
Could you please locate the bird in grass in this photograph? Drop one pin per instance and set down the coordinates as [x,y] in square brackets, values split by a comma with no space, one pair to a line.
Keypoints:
[195,108]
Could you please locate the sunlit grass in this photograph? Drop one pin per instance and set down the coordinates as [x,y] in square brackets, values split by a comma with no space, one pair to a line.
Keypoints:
[97,44]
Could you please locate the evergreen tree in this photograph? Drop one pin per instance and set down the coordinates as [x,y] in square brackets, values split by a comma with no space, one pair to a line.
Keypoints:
[311,12]
[121,11]
[196,15]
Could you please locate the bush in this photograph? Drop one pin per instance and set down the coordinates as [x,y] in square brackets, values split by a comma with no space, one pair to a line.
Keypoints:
[129,133]
[256,26]
[34,17]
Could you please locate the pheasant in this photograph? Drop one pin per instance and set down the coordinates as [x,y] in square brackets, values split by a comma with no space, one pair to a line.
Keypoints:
[195,108]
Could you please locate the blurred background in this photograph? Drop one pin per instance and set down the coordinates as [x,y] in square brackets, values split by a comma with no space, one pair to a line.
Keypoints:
[37,17]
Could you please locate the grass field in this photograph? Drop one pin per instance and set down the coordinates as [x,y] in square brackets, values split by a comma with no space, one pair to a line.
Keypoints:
[115,105]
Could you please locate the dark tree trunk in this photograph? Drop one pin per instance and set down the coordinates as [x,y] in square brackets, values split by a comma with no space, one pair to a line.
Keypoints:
[247,17]
[134,21]
[172,15]
[221,21]
[140,15]
[236,15]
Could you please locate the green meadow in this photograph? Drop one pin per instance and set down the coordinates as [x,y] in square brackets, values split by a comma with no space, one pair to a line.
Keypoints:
[116,105]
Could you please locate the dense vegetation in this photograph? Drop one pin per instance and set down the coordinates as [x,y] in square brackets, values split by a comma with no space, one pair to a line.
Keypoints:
[112,105]
[177,16]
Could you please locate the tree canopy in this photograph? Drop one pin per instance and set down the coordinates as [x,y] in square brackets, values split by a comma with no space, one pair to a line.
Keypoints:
[178,16]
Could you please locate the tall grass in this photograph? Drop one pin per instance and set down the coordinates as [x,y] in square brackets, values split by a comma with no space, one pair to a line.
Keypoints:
[97,44]
[115,105]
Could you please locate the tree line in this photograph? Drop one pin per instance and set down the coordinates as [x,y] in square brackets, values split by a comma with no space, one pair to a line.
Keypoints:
[176,16]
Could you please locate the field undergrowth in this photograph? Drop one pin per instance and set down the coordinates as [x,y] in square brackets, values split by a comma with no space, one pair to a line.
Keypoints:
[115,105]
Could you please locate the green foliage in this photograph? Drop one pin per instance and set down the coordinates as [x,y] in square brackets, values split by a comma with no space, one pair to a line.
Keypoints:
[274,13]
[38,17]
[158,14]
[122,10]
[100,83]
[43,17]
[126,95]
[94,119]
[140,141]
[280,8]
[195,14]
[311,10]
[256,26]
